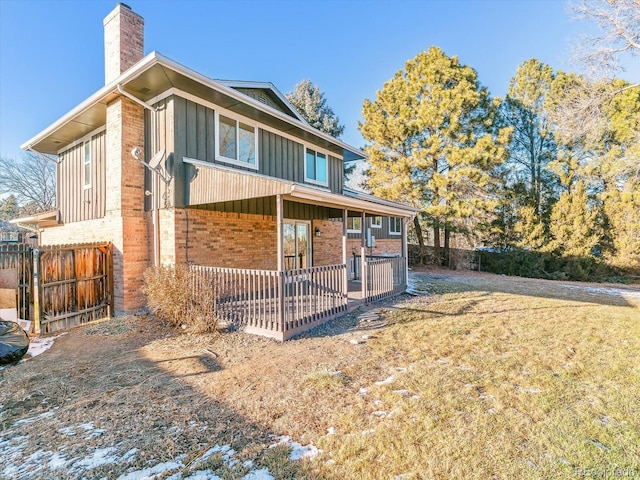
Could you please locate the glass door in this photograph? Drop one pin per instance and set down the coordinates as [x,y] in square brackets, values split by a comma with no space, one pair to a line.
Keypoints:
[297,246]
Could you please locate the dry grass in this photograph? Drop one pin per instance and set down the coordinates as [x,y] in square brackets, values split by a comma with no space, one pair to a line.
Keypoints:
[493,377]
[498,385]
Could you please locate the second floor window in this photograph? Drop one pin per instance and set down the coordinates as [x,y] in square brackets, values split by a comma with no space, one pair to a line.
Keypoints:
[237,141]
[395,226]
[86,164]
[316,167]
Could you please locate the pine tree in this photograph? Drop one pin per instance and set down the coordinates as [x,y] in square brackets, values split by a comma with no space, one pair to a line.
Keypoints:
[434,141]
[311,103]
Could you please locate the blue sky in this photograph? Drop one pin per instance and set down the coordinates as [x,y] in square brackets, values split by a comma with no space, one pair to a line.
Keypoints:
[51,52]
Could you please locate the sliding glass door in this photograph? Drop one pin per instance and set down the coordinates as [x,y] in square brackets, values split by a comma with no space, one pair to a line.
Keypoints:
[297,244]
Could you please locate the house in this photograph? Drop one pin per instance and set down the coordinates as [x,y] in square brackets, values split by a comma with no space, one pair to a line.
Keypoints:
[173,167]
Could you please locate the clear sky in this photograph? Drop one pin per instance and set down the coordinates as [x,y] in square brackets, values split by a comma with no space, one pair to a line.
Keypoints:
[51,52]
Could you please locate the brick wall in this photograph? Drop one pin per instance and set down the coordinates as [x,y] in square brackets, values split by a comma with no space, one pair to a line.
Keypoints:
[383,246]
[327,248]
[218,239]
[123,41]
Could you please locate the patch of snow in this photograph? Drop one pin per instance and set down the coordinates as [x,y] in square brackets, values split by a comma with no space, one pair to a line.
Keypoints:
[26,421]
[101,456]
[363,391]
[377,403]
[151,472]
[404,393]
[387,381]
[381,414]
[130,455]
[39,345]
[247,464]
[601,446]
[368,432]
[226,450]
[56,461]
[331,431]
[199,475]
[298,451]
[68,431]
[262,474]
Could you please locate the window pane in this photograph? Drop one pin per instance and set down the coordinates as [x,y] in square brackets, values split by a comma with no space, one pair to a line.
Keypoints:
[87,164]
[247,144]
[311,164]
[227,134]
[357,223]
[321,168]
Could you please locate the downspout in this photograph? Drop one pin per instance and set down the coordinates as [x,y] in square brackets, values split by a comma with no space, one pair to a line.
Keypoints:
[155,213]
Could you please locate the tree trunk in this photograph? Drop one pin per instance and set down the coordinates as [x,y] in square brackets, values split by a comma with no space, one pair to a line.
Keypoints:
[436,241]
[416,224]
[447,251]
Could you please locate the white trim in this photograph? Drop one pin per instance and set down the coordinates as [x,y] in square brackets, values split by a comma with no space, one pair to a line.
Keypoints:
[217,108]
[326,164]
[85,185]
[154,58]
[81,140]
[238,119]
[392,232]
[375,225]
[353,230]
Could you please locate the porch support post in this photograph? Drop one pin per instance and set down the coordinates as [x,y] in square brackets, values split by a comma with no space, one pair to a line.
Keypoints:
[405,251]
[280,228]
[363,255]
[345,259]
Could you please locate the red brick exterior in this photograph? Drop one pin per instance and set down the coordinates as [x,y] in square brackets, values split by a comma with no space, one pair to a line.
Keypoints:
[383,246]
[218,239]
[123,41]
[327,248]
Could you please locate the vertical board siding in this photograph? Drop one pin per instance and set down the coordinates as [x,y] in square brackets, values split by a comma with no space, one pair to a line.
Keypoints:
[379,233]
[158,136]
[75,202]
[279,157]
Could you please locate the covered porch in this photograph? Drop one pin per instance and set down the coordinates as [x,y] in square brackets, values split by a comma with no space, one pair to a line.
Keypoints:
[311,266]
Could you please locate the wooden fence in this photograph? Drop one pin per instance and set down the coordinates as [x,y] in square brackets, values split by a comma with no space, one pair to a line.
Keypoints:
[275,304]
[73,285]
[384,276]
[61,286]
[18,257]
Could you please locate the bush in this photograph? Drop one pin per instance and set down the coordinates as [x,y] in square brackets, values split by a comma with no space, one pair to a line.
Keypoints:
[171,297]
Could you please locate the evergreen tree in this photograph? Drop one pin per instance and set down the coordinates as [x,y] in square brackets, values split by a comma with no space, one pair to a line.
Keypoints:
[310,102]
[434,141]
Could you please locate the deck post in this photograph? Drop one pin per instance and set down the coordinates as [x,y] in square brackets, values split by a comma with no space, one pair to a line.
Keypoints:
[37,319]
[405,251]
[363,256]
[344,254]
[280,228]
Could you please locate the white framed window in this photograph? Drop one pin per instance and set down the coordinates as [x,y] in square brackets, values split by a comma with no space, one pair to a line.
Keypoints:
[236,141]
[86,164]
[354,224]
[315,167]
[376,222]
[395,226]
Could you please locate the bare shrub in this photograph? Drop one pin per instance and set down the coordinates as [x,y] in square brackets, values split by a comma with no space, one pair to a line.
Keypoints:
[172,298]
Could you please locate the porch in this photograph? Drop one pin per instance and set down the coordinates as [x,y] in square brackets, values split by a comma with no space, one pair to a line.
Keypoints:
[281,304]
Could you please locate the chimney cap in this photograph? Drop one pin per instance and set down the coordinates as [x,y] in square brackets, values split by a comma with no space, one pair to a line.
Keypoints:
[124,5]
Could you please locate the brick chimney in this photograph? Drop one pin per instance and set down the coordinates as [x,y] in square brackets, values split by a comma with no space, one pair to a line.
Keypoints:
[123,41]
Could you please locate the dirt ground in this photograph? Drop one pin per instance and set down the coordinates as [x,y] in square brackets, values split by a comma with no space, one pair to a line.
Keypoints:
[130,393]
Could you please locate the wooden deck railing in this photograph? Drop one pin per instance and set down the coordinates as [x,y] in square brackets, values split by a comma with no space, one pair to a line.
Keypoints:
[272,303]
[384,276]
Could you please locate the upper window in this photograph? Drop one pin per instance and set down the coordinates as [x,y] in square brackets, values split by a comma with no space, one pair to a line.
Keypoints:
[315,170]
[237,142]
[354,224]
[86,164]
[395,226]
[376,222]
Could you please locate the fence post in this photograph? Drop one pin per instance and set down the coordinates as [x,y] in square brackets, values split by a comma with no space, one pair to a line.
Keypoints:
[36,291]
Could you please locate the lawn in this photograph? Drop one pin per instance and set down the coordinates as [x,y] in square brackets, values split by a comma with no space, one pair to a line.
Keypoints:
[478,376]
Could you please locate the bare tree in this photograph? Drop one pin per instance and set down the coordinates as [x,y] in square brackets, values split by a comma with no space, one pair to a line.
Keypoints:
[619,24]
[32,179]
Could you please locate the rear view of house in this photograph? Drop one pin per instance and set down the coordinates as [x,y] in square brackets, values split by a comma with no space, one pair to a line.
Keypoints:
[235,180]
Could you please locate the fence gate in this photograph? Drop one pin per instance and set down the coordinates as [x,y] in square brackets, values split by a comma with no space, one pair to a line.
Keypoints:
[18,257]
[73,285]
